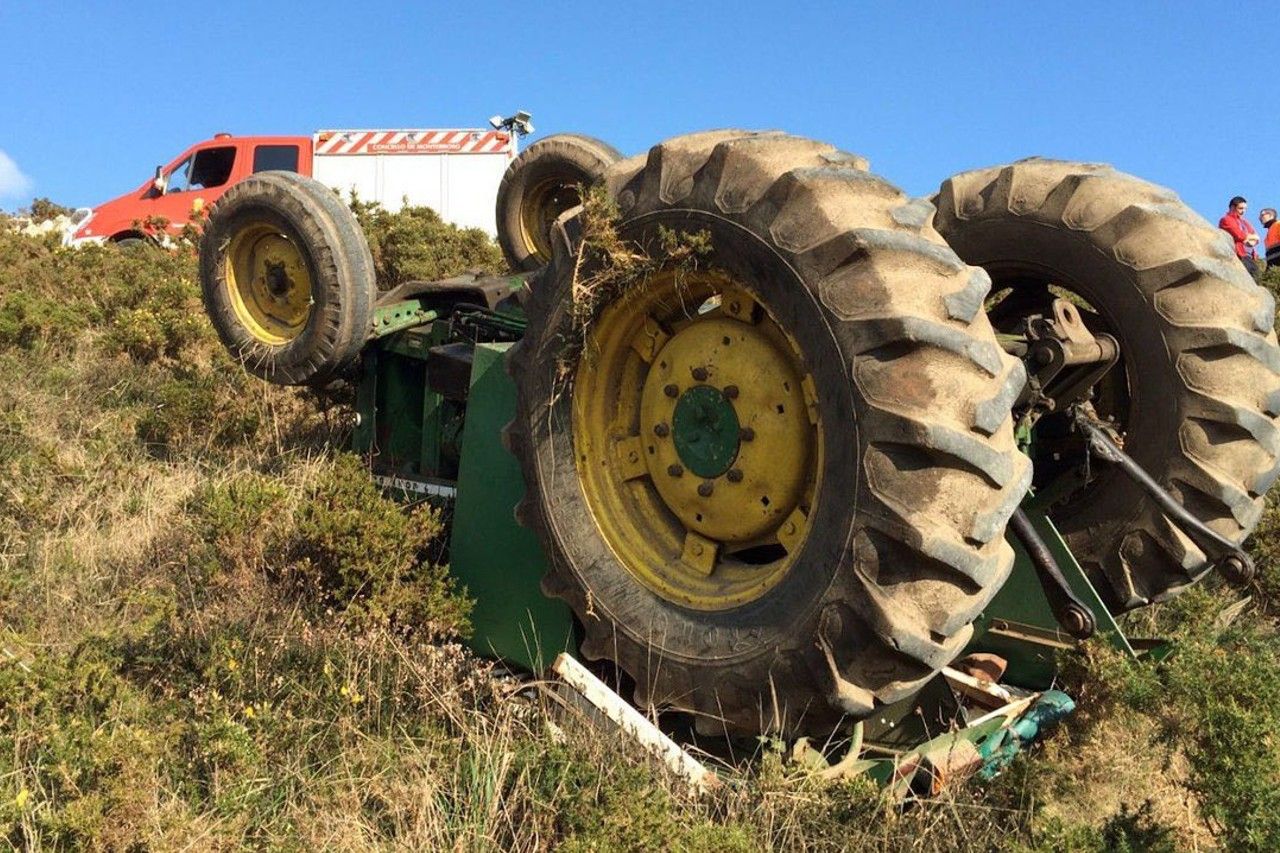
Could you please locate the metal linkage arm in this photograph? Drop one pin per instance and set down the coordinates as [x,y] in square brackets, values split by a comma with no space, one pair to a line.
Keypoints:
[1224,555]
[1072,613]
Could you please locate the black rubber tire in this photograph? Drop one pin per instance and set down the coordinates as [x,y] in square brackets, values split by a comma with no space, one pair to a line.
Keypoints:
[566,160]
[1199,354]
[920,469]
[341,267]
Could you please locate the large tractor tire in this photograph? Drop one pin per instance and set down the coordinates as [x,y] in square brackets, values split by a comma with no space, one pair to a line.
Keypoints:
[1197,391]
[287,279]
[543,182]
[772,481]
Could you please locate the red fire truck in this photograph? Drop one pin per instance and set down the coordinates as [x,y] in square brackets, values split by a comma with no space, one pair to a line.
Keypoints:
[454,171]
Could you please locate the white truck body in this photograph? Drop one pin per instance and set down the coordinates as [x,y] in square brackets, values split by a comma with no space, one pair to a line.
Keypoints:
[454,172]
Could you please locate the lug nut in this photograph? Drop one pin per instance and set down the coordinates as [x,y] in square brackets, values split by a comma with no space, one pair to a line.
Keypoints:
[700,374]
[704,488]
[675,470]
[734,475]
[747,434]
[671,390]
[731,391]
[661,430]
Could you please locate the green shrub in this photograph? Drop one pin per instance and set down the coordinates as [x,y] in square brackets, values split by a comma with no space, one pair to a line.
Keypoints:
[42,210]
[151,333]
[341,543]
[29,318]
[193,407]
[415,244]
[145,303]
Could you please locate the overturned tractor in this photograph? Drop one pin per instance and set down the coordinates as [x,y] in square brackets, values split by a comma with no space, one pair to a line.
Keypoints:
[782,442]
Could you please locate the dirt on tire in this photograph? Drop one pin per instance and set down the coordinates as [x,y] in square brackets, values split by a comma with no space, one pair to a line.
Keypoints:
[329,238]
[1199,385]
[920,472]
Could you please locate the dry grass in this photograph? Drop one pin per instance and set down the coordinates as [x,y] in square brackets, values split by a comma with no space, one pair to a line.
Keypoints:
[176,674]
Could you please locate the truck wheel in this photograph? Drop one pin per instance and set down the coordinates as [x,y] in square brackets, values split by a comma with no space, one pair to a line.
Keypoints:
[1197,390]
[287,278]
[130,242]
[541,184]
[772,482]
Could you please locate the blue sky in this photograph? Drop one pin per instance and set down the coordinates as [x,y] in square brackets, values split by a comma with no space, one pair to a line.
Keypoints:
[94,95]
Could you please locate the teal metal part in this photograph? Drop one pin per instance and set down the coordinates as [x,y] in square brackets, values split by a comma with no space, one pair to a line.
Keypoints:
[500,562]
[999,750]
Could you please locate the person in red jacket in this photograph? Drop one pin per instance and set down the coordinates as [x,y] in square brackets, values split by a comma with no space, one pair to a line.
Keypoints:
[1271,234]
[1246,239]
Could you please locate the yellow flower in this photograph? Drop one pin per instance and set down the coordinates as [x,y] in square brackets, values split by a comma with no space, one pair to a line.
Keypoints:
[21,800]
[232,666]
[248,712]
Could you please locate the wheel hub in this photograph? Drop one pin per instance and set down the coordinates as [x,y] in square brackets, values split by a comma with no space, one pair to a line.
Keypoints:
[697,439]
[731,447]
[269,284]
[705,431]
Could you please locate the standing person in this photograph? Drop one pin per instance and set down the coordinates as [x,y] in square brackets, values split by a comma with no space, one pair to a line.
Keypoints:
[1246,239]
[1271,235]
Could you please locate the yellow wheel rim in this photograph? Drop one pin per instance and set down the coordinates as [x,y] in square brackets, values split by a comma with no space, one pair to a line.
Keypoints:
[541,206]
[268,283]
[698,440]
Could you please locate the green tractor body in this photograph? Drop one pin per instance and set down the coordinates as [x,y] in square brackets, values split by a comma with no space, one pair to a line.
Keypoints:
[773,450]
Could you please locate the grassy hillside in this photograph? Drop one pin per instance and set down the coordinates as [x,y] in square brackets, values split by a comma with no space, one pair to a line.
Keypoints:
[214,633]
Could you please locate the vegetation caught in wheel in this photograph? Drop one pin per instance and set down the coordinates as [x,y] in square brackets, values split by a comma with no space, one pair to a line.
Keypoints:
[546,180]
[772,479]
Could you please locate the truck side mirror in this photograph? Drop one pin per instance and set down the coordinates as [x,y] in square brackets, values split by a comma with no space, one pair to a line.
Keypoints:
[158,183]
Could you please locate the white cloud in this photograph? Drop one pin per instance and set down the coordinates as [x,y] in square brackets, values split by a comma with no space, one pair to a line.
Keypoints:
[13,183]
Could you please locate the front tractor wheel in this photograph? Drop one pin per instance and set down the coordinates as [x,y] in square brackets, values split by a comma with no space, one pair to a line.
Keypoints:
[772,477]
[541,184]
[287,278]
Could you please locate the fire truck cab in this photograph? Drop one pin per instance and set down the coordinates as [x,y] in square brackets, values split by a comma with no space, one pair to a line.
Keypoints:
[456,172]
[193,180]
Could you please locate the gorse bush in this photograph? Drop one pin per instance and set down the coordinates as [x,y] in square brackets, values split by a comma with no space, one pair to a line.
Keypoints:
[337,540]
[415,244]
[216,633]
[145,304]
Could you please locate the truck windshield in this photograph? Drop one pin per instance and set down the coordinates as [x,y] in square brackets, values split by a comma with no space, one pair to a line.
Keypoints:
[177,180]
[206,169]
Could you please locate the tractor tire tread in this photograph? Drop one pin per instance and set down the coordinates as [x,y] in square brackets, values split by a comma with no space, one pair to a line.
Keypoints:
[939,464]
